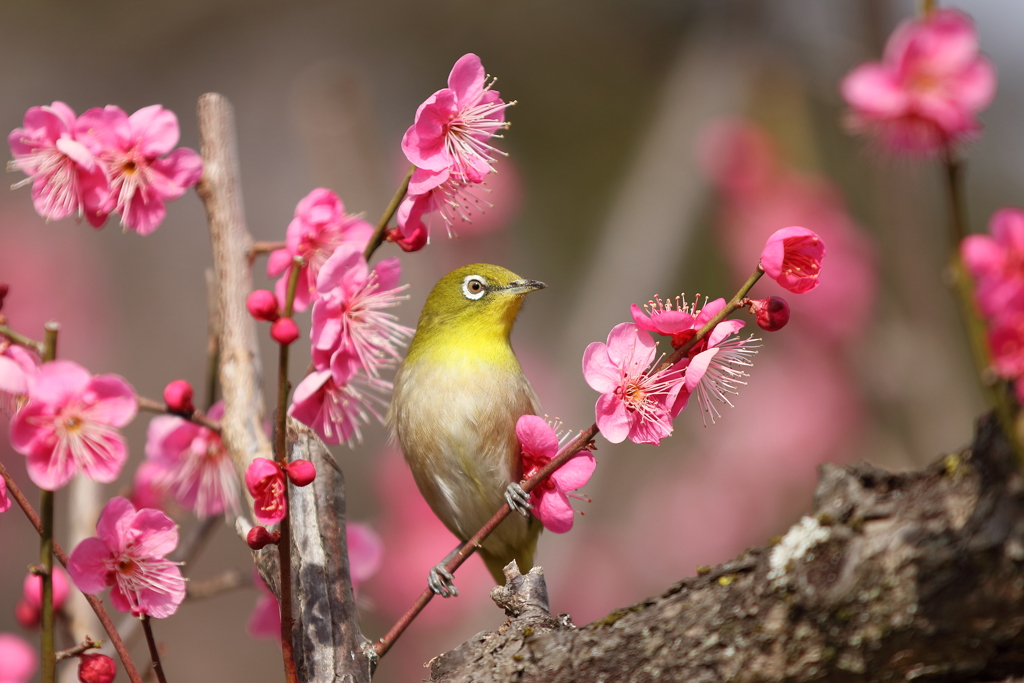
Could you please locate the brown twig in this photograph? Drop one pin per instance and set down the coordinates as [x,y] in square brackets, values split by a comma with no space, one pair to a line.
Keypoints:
[259,248]
[87,644]
[22,340]
[228,581]
[151,406]
[97,606]
[154,652]
[579,443]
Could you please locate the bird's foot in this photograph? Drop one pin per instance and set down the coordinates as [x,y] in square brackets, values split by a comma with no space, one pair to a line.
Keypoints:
[442,582]
[518,499]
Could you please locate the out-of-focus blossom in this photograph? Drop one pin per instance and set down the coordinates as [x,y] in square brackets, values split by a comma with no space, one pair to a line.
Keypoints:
[96,668]
[148,489]
[927,89]
[195,468]
[792,257]
[17,368]
[759,194]
[351,325]
[27,611]
[5,502]
[61,162]
[143,171]
[336,410]
[549,498]
[71,422]
[265,620]
[996,261]
[633,404]
[178,397]
[454,125]
[128,555]
[319,227]
[18,660]
[266,483]
[1006,341]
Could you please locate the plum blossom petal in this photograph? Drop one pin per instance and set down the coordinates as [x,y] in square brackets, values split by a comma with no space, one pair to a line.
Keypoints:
[792,257]
[5,502]
[266,483]
[337,409]
[127,555]
[549,498]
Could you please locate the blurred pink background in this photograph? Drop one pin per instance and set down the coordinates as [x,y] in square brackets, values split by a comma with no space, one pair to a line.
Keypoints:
[654,147]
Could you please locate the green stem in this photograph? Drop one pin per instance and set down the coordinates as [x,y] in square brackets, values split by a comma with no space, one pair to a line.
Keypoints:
[48,650]
[154,653]
[22,340]
[997,391]
[927,6]
[382,225]
[581,442]
[281,453]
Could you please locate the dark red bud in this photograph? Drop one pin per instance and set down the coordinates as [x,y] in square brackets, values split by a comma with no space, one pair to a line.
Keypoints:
[301,472]
[284,331]
[772,313]
[96,669]
[258,537]
[3,293]
[27,615]
[178,396]
[262,305]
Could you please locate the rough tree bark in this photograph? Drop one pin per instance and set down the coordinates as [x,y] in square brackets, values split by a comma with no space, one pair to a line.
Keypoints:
[894,576]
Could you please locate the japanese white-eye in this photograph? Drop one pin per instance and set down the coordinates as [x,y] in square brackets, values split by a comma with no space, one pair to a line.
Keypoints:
[457,397]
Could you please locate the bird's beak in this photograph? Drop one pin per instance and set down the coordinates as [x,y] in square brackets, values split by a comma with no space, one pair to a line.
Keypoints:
[523,286]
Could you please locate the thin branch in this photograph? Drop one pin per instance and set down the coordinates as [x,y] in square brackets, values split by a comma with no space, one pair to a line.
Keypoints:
[260,248]
[382,225]
[151,406]
[87,644]
[22,340]
[228,581]
[154,652]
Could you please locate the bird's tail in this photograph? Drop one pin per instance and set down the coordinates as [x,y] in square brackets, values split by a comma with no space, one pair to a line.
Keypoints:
[496,563]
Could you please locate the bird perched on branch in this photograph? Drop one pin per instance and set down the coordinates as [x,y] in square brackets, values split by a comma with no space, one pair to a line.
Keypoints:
[458,395]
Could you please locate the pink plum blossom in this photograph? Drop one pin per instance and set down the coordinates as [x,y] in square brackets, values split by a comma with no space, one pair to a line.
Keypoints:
[17,369]
[350,322]
[927,89]
[195,468]
[450,195]
[265,481]
[71,422]
[61,162]
[1006,341]
[143,171]
[148,490]
[792,257]
[128,554]
[633,403]
[713,368]
[319,227]
[681,321]
[453,126]
[336,409]
[996,261]
[18,660]
[550,502]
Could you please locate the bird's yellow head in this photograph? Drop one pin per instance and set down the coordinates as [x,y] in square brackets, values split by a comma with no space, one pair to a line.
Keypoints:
[474,306]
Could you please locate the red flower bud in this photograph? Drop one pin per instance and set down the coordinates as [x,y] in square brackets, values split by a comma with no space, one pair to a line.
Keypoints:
[772,313]
[27,615]
[262,305]
[301,472]
[3,293]
[96,669]
[178,396]
[284,331]
[258,537]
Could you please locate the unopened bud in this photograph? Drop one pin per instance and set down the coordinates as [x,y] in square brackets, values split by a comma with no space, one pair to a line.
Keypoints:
[3,293]
[96,668]
[301,472]
[178,396]
[258,537]
[284,331]
[771,314]
[262,305]
[27,615]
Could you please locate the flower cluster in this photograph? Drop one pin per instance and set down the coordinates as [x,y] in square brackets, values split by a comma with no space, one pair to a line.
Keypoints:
[550,498]
[996,261]
[128,554]
[103,162]
[449,145]
[927,89]
[353,338]
[639,401]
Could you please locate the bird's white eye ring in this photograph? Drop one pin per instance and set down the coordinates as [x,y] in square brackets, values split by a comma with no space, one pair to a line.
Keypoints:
[474,287]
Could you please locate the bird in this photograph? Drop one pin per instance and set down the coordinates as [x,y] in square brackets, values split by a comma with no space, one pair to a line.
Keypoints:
[457,396]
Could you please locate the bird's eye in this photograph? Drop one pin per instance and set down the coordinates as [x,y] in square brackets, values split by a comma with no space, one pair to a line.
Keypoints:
[474,287]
